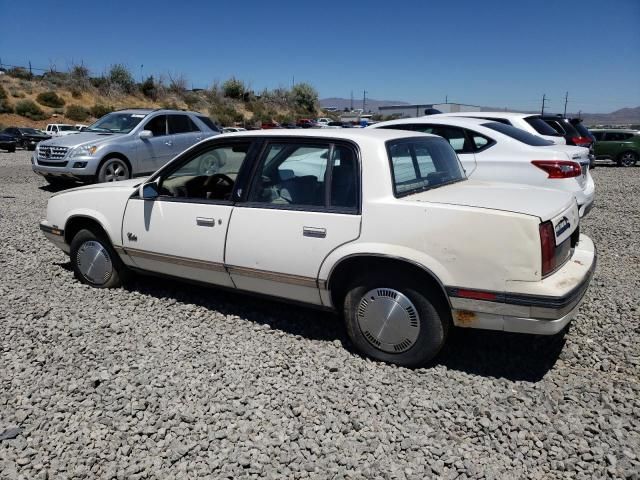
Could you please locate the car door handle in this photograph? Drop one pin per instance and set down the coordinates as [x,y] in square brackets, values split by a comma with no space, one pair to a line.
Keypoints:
[169,143]
[205,222]
[198,139]
[314,232]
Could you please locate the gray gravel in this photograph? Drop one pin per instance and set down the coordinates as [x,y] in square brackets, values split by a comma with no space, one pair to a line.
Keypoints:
[165,380]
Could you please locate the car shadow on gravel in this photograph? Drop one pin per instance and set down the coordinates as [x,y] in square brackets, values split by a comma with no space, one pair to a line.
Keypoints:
[515,357]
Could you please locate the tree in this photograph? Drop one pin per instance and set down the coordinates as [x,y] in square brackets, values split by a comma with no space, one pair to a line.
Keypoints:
[234,88]
[120,77]
[305,97]
[149,89]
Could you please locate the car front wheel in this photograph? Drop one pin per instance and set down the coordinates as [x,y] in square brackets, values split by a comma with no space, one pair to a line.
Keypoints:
[95,262]
[113,170]
[628,159]
[391,319]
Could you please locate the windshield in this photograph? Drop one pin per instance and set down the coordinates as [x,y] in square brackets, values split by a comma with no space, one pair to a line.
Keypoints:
[30,131]
[517,134]
[117,122]
[421,164]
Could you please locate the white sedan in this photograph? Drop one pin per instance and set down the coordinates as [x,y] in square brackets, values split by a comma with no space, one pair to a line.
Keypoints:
[497,152]
[381,225]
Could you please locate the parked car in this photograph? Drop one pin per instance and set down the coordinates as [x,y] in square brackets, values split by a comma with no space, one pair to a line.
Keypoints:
[26,138]
[402,244]
[323,121]
[233,129]
[620,145]
[60,129]
[528,122]
[270,125]
[121,145]
[565,128]
[585,133]
[498,152]
[7,142]
[306,123]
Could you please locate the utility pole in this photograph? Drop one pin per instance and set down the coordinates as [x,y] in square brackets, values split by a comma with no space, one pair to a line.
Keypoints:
[364,100]
[351,109]
[566,99]
[30,72]
[446,99]
[293,81]
[141,76]
[544,100]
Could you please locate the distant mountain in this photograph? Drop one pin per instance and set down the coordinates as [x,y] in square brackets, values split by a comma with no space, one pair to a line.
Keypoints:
[371,104]
[619,117]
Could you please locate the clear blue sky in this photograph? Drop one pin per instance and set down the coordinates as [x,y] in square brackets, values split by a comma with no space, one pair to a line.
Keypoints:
[496,53]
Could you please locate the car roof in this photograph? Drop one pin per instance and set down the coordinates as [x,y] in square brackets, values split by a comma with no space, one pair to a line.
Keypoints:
[618,130]
[147,111]
[487,114]
[355,134]
[440,119]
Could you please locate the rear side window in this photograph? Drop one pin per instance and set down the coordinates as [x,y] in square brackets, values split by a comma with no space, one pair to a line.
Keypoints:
[582,130]
[598,135]
[540,126]
[181,124]
[556,126]
[517,134]
[421,164]
[208,122]
[617,136]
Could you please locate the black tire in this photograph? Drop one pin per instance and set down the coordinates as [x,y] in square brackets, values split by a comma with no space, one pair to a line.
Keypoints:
[627,159]
[432,320]
[113,169]
[87,242]
[11,149]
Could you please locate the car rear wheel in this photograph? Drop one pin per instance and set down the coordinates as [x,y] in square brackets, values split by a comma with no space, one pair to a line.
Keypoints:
[95,262]
[113,170]
[627,159]
[389,318]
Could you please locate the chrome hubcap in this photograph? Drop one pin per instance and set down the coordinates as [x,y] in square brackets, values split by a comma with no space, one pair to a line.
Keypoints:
[115,171]
[388,320]
[94,262]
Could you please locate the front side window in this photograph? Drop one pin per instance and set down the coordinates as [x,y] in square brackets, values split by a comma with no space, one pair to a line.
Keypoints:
[292,174]
[517,134]
[422,164]
[117,122]
[209,175]
[157,125]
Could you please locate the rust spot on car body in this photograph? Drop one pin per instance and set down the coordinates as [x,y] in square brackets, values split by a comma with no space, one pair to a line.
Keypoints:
[578,262]
[464,318]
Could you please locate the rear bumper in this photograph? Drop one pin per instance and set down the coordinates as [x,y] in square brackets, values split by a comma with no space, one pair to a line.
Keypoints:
[542,308]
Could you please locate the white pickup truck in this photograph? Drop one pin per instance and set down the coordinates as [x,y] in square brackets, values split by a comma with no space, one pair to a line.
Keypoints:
[60,129]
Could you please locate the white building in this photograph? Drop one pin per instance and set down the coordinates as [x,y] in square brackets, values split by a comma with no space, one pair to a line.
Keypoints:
[404,111]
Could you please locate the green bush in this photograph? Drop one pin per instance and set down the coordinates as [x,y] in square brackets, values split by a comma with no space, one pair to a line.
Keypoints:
[192,100]
[50,99]
[99,110]
[15,93]
[3,93]
[19,72]
[305,97]
[77,113]
[29,109]
[234,88]
[120,77]
[149,88]
[76,92]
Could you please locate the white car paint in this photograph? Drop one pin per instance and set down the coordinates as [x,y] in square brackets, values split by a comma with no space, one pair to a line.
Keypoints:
[469,234]
[518,120]
[60,129]
[509,160]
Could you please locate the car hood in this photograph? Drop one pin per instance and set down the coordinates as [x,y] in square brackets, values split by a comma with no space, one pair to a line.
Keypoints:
[128,185]
[82,138]
[545,203]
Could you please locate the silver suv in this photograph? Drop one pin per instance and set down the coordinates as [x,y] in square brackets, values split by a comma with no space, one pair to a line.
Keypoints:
[120,145]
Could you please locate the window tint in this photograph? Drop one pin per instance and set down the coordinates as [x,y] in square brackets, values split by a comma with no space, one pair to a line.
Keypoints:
[556,126]
[180,124]
[582,130]
[517,134]
[210,175]
[299,175]
[208,122]
[455,136]
[540,126]
[598,135]
[421,164]
[617,136]
[479,141]
[157,125]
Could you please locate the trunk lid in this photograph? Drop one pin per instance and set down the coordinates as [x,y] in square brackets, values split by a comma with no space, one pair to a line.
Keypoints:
[575,154]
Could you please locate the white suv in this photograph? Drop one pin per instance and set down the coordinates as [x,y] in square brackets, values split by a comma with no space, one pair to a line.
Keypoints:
[529,122]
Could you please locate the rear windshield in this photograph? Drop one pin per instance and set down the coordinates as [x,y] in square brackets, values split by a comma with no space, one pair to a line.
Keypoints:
[517,134]
[542,127]
[582,130]
[208,122]
[421,164]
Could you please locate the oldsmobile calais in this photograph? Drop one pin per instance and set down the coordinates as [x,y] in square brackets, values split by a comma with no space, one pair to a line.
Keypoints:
[380,225]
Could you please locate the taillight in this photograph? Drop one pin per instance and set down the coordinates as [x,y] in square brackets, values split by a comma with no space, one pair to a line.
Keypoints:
[581,141]
[559,168]
[548,245]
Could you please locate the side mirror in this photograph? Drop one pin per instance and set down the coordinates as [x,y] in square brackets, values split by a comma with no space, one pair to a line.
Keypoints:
[145,134]
[148,191]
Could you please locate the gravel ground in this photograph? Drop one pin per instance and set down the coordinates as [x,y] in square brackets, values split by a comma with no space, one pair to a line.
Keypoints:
[165,380]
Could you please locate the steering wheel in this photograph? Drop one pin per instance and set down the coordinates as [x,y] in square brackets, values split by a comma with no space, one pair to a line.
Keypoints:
[220,178]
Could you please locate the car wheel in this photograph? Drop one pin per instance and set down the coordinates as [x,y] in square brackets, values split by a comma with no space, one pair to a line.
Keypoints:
[113,170]
[627,159]
[11,149]
[391,319]
[95,262]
